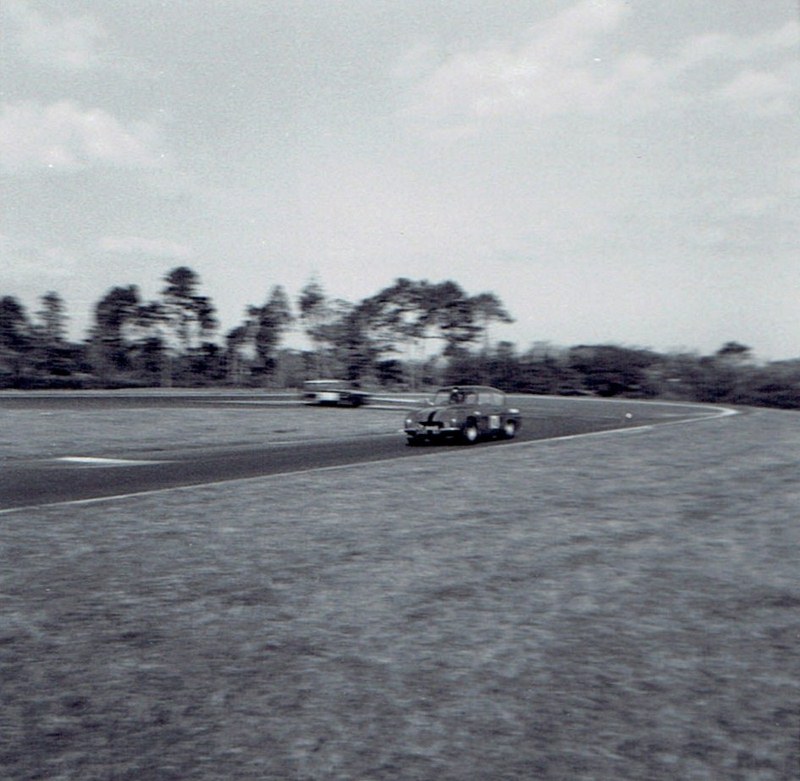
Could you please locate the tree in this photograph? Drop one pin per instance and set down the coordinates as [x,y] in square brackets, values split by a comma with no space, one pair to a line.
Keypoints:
[327,332]
[487,309]
[110,349]
[206,364]
[775,385]
[543,369]
[314,311]
[407,311]
[15,340]
[311,305]
[503,368]
[396,315]
[357,347]
[189,315]
[609,370]
[452,314]
[734,351]
[52,318]
[251,348]
[389,372]
[237,363]
[723,373]
[52,355]
[14,325]
[148,351]
[271,321]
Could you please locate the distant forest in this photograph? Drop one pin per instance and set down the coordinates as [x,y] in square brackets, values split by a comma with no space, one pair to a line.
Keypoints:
[410,336]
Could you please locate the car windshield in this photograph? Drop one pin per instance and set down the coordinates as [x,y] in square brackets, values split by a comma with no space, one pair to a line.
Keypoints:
[454,396]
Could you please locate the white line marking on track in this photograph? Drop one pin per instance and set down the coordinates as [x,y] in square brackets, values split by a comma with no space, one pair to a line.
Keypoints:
[96,461]
[723,412]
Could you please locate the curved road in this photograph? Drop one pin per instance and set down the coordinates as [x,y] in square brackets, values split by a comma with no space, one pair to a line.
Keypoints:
[36,482]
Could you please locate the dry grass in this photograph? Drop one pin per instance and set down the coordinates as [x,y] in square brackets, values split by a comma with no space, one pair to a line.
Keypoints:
[618,607]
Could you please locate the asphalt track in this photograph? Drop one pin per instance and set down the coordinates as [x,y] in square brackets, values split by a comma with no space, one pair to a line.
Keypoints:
[43,481]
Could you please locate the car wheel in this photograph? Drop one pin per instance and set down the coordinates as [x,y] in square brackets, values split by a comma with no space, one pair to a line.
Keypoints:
[412,440]
[470,433]
[510,429]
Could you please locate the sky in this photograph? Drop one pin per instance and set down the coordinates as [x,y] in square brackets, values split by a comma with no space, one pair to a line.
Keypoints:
[614,171]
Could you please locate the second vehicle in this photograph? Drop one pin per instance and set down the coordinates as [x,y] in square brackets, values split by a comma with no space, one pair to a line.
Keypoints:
[333,393]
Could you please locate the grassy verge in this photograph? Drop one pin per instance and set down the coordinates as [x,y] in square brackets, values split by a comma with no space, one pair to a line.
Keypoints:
[38,433]
[622,606]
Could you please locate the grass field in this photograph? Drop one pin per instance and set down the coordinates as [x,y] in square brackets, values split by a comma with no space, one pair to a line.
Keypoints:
[34,432]
[623,606]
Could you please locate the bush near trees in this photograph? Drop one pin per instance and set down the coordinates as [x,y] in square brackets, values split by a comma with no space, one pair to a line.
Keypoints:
[410,335]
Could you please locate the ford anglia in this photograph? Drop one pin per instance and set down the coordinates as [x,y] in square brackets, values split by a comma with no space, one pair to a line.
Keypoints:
[465,414]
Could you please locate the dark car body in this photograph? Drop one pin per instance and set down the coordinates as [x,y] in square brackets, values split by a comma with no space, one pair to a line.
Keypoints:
[466,413]
[333,393]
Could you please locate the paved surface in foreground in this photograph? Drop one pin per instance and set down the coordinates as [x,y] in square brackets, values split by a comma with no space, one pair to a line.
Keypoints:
[81,476]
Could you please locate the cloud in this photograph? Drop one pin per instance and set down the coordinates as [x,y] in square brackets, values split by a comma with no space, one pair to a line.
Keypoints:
[33,261]
[700,49]
[786,37]
[762,92]
[70,43]
[573,64]
[571,34]
[550,72]
[762,70]
[137,245]
[64,136]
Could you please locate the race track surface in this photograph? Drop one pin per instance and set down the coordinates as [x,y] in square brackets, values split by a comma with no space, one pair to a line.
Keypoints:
[73,477]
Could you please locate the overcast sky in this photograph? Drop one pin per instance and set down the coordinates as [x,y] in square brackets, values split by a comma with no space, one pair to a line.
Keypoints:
[615,171]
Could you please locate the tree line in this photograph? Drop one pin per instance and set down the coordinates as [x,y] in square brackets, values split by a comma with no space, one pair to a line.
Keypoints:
[410,335]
